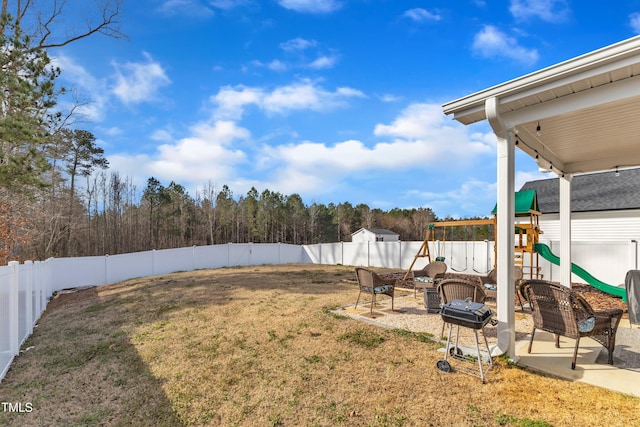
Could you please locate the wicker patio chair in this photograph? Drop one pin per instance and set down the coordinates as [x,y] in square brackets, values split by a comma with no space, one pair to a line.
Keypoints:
[461,276]
[456,288]
[492,279]
[372,284]
[562,311]
[429,272]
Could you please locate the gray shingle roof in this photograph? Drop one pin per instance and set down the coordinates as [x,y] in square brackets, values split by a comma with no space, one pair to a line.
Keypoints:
[381,231]
[593,192]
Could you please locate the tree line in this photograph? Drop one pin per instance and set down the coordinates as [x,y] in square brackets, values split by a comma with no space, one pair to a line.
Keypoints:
[58,197]
[110,215]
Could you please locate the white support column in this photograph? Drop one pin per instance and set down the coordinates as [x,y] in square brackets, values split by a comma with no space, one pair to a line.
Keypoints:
[505,232]
[565,229]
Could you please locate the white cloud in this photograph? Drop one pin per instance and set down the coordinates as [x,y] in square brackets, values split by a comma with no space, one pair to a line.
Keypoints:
[227,4]
[113,131]
[206,154]
[323,62]
[298,51]
[546,10]
[421,15]
[85,85]
[162,135]
[303,95]
[466,197]
[311,6]
[422,137]
[297,44]
[231,101]
[185,7]
[491,42]
[277,65]
[138,82]
[388,97]
[423,130]
[634,21]
[522,177]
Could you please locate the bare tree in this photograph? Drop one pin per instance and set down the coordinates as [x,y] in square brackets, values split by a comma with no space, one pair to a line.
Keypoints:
[48,28]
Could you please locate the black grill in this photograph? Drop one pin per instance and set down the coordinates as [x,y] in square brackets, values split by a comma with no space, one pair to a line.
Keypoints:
[469,314]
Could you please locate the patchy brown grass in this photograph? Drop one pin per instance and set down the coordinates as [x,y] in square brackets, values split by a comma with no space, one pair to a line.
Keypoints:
[259,346]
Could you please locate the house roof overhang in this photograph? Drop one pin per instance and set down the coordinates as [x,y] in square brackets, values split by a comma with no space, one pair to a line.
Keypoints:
[578,116]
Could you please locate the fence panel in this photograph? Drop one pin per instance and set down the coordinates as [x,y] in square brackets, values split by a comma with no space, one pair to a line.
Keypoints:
[8,317]
[313,253]
[355,253]
[331,253]
[127,266]
[291,254]
[214,256]
[24,304]
[167,261]
[409,251]
[239,254]
[268,253]
[75,272]
[606,261]
[385,254]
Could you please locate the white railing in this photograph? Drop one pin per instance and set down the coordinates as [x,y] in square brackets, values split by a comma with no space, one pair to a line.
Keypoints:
[26,288]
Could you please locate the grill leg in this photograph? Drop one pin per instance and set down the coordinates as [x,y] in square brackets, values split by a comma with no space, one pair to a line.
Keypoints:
[446,353]
[475,336]
[486,343]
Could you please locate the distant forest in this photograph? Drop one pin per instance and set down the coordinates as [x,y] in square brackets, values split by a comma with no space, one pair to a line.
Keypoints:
[110,215]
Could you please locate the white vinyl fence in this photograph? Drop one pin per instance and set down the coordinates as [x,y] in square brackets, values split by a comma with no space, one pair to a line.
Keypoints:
[26,288]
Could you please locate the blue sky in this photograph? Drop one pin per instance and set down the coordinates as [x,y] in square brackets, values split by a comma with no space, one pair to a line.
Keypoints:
[336,100]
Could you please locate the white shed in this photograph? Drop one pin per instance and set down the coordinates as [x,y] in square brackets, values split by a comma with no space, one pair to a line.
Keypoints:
[374,235]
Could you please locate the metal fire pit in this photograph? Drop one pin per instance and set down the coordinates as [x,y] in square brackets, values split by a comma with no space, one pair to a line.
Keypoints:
[431,300]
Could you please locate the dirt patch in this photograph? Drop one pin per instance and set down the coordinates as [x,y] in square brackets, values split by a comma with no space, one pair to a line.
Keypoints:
[261,346]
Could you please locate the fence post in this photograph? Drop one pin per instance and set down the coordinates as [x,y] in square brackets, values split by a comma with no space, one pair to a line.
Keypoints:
[36,290]
[28,297]
[193,258]
[106,269]
[14,303]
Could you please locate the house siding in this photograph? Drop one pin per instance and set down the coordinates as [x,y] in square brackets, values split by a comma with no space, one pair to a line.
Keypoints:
[603,226]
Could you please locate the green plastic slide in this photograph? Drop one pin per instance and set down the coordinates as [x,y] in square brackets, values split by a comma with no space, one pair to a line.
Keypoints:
[546,253]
